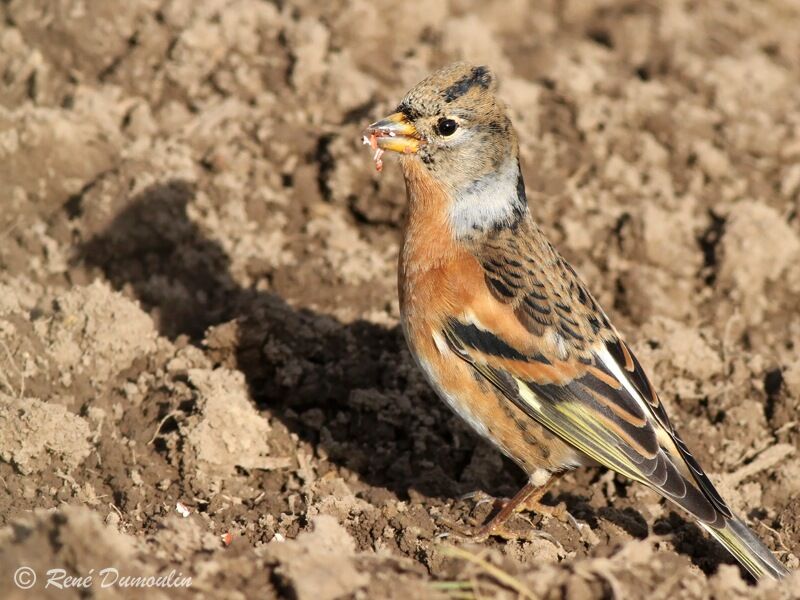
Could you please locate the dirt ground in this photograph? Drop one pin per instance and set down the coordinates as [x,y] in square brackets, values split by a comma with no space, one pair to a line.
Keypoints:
[198,312]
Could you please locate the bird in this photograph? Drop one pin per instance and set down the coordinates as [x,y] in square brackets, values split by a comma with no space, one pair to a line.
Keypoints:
[504,329]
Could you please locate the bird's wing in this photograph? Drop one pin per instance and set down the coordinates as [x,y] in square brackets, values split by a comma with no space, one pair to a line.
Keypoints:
[597,408]
[539,336]
[557,358]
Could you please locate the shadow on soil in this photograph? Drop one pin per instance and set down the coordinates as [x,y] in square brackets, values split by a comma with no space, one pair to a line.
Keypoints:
[336,386]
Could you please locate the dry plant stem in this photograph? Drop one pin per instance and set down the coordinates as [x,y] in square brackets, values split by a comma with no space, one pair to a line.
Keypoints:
[498,574]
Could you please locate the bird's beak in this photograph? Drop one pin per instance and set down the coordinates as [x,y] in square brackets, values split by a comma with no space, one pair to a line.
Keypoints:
[394,133]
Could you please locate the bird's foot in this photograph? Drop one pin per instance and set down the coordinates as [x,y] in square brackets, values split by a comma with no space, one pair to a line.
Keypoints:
[528,499]
[531,504]
[479,534]
[480,498]
[558,512]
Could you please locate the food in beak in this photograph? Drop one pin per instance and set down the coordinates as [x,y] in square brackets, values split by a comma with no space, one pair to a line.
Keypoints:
[372,142]
[395,133]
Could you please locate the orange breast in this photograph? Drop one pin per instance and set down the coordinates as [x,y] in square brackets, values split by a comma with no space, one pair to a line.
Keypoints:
[439,278]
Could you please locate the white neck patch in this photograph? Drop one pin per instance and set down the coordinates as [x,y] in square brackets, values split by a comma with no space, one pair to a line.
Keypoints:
[487,202]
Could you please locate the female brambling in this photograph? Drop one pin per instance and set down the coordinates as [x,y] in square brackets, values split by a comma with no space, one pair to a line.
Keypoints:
[505,330]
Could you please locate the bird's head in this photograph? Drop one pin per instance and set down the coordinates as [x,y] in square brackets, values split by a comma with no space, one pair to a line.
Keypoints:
[456,137]
[452,124]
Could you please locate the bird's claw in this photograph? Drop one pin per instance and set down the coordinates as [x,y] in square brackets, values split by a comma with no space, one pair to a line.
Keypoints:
[475,535]
[558,512]
[480,498]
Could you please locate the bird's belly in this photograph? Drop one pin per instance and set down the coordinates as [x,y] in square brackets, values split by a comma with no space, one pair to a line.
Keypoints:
[483,407]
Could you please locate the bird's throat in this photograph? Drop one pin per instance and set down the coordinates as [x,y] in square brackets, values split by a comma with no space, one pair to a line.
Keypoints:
[489,202]
[428,241]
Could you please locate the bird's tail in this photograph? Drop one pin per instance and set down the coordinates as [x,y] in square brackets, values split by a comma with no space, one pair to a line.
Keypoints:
[748,549]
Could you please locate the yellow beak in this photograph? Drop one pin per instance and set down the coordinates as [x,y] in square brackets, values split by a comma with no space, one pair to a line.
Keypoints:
[394,133]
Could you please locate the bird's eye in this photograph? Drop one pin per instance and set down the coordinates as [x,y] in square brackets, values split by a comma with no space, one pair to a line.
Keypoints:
[446,127]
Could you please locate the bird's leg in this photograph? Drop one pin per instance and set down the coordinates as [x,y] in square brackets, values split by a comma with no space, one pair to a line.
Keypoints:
[496,525]
[527,498]
[533,502]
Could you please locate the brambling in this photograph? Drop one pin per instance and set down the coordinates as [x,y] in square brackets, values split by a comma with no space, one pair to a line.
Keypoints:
[505,330]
